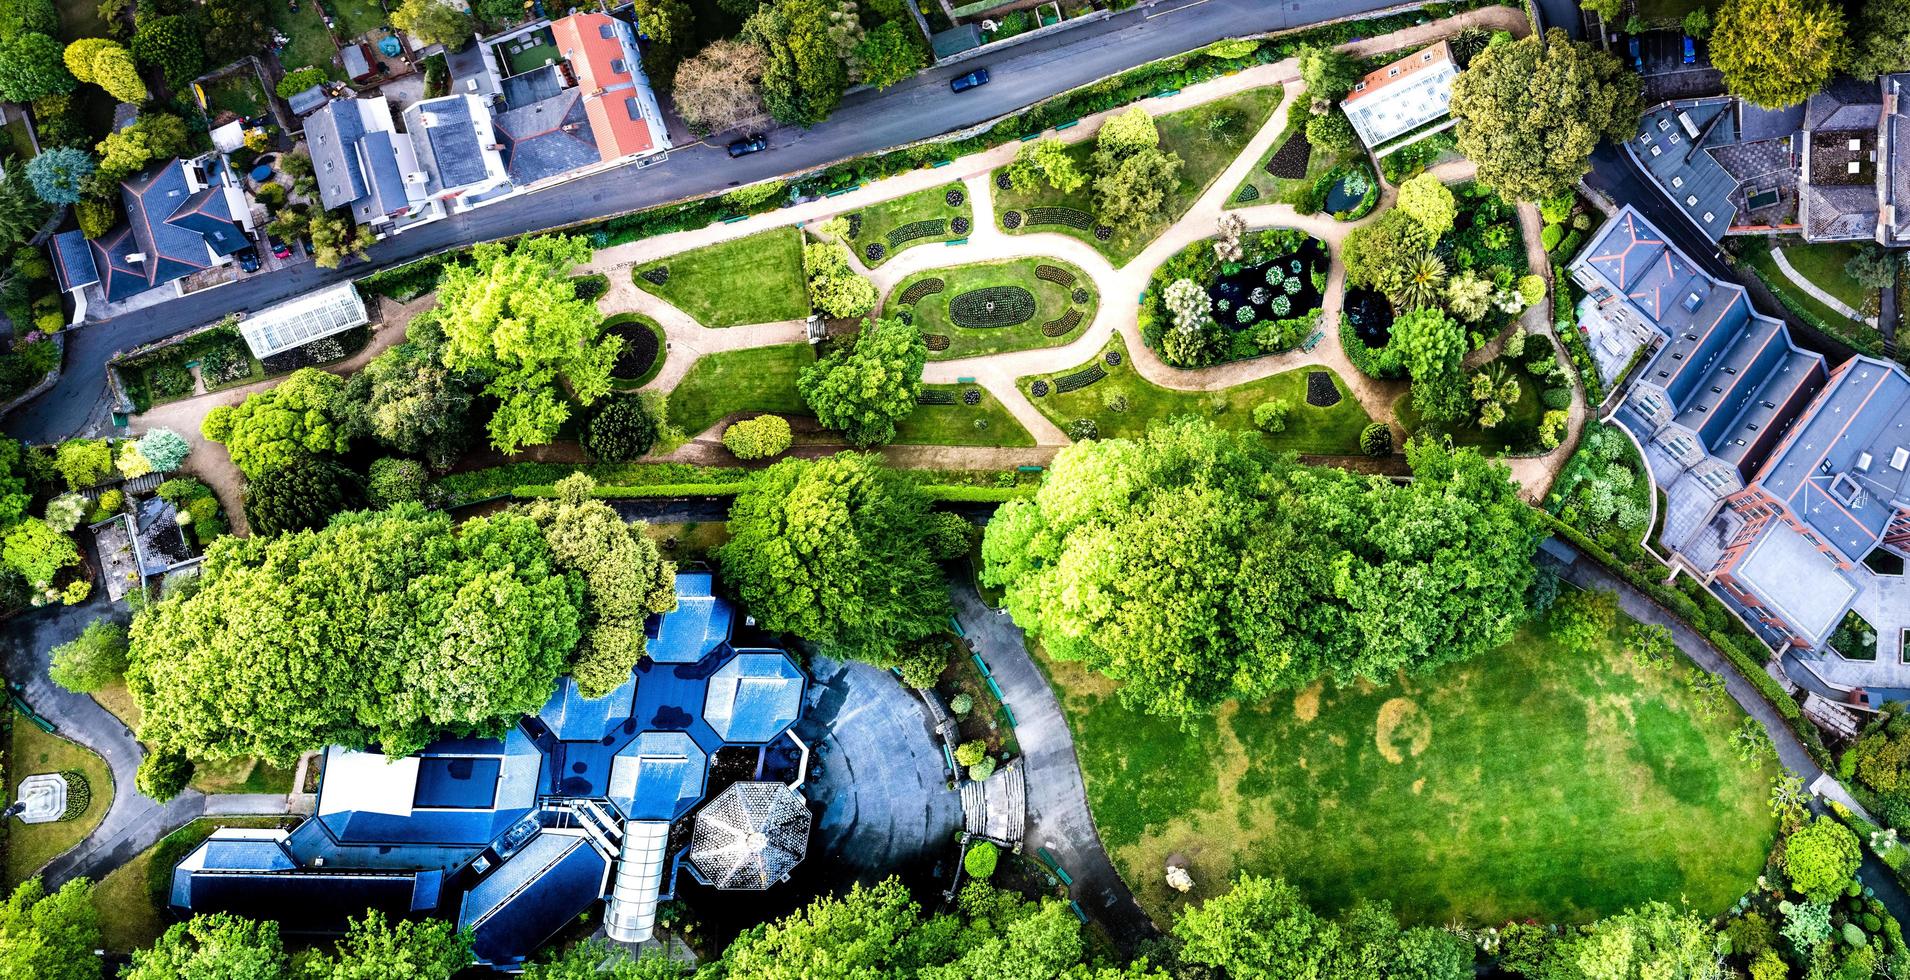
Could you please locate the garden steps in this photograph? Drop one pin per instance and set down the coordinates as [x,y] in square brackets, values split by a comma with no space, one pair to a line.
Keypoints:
[997,807]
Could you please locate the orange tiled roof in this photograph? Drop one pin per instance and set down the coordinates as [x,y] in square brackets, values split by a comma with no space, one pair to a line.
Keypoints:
[1402,70]
[610,96]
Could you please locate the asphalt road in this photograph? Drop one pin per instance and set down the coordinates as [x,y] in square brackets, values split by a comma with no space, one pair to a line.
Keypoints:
[867,121]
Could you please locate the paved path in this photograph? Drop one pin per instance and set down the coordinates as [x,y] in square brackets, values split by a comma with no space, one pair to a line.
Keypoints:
[133,822]
[1814,291]
[1058,816]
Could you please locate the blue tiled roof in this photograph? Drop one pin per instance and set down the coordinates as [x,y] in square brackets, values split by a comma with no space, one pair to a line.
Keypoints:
[1865,411]
[698,625]
[546,138]
[381,156]
[545,885]
[454,144]
[658,776]
[753,697]
[572,717]
[305,901]
[73,261]
[170,225]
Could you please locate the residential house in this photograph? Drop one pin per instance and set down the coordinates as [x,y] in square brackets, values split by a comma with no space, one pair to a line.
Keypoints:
[1780,472]
[592,109]
[456,144]
[362,162]
[1413,92]
[182,217]
[513,838]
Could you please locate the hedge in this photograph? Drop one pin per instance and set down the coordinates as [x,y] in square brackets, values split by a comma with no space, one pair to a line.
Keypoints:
[1746,652]
[1565,324]
[460,489]
[938,492]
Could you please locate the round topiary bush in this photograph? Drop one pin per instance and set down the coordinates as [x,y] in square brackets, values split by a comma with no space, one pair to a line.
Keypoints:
[1103,233]
[1080,294]
[981,859]
[1557,398]
[874,251]
[758,438]
[961,704]
[1011,220]
[983,769]
[1039,388]
[954,198]
[1376,439]
[959,226]
[1002,181]
[1245,315]
[971,752]
[972,396]
[1280,306]
[1112,358]
[1080,429]
[1290,285]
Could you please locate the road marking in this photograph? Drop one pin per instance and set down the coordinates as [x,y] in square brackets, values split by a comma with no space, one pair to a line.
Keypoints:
[1176,10]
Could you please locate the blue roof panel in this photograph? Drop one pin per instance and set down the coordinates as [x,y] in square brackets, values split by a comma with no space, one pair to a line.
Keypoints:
[457,782]
[658,776]
[700,622]
[545,885]
[753,697]
[73,260]
[575,718]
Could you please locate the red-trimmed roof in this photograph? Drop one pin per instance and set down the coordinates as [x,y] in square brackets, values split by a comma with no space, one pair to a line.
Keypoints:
[1399,71]
[609,95]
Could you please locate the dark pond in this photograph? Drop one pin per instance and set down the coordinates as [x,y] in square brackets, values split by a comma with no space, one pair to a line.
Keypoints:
[1371,315]
[1340,198]
[1250,287]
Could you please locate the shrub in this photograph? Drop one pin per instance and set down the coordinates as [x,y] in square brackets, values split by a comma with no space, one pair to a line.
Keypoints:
[109,504]
[981,859]
[758,438]
[395,481]
[983,769]
[1550,237]
[63,513]
[303,495]
[970,753]
[164,449]
[1271,417]
[950,536]
[622,428]
[1376,439]
[92,660]
[1557,398]
[1820,858]
[298,81]
[1080,429]
[961,704]
[163,774]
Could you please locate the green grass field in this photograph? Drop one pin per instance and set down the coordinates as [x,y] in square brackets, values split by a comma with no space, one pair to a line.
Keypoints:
[358,17]
[246,774]
[1861,334]
[239,93]
[754,279]
[926,204]
[1328,431]
[759,379]
[954,425]
[132,897]
[29,846]
[311,44]
[1823,265]
[1052,302]
[1269,189]
[1533,782]
[1203,152]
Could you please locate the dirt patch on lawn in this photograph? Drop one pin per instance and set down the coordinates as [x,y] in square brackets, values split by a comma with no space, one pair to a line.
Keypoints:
[1403,730]
[1306,704]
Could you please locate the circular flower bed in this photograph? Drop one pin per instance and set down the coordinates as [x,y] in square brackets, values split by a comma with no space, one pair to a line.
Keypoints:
[639,351]
[1080,294]
[1103,233]
[1011,220]
[1113,358]
[972,396]
[992,306]
[874,251]
[1039,388]
[959,226]
[906,316]
[955,198]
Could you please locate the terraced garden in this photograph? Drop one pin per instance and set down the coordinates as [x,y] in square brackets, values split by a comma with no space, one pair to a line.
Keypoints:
[927,217]
[1206,137]
[989,308]
[754,279]
[1322,418]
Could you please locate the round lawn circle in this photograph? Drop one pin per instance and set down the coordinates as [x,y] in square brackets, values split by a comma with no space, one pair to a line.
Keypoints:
[642,352]
[1320,390]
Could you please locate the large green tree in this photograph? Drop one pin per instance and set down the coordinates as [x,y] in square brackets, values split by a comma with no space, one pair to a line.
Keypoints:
[384,628]
[888,55]
[92,660]
[1380,255]
[1821,857]
[513,315]
[864,389]
[274,428]
[1654,942]
[669,31]
[1327,72]
[1776,53]
[1193,566]
[433,22]
[222,946]
[170,45]
[376,948]
[804,74]
[50,937]
[1531,111]
[1881,41]
[1432,346]
[127,151]
[31,67]
[408,400]
[590,960]
[1260,928]
[625,580]
[835,550]
[302,495]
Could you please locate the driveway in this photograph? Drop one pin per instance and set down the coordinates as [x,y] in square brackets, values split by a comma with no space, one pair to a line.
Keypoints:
[1059,820]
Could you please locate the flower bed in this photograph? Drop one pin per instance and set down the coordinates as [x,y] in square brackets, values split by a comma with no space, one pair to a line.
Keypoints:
[1266,302]
[915,293]
[1289,162]
[1054,274]
[929,228]
[1060,326]
[1080,379]
[993,306]
[1066,217]
[641,355]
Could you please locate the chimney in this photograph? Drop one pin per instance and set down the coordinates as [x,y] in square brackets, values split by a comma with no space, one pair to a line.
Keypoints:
[137,258]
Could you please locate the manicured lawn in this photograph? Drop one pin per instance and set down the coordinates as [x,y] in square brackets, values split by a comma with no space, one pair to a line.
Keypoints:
[239,93]
[954,425]
[1859,334]
[115,698]
[1823,265]
[242,775]
[1204,154]
[929,204]
[357,17]
[1052,303]
[543,49]
[132,897]
[1268,189]
[29,846]
[1327,431]
[310,44]
[1532,782]
[755,279]
[759,379]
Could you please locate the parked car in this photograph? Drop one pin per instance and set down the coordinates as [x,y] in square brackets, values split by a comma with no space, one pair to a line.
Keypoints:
[1691,51]
[248,259]
[974,79]
[754,143]
[1637,60]
[280,250]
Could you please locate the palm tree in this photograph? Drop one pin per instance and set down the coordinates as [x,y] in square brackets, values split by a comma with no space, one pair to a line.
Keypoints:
[1425,278]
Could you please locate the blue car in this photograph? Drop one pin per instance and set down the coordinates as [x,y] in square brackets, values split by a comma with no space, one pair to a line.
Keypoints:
[974,79]
[1637,60]
[1691,52]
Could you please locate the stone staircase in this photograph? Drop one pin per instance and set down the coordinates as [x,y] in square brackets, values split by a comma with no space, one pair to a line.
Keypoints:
[997,808]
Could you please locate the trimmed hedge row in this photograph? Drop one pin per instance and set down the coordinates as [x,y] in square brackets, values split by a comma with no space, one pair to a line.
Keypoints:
[1707,615]
[460,489]
[939,492]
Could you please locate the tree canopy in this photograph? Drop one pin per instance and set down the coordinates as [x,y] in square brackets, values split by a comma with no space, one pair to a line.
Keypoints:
[834,550]
[31,66]
[383,628]
[1881,41]
[513,315]
[272,429]
[433,22]
[1193,566]
[301,495]
[1776,53]
[1531,111]
[1821,857]
[804,74]
[721,87]
[92,660]
[408,400]
[862,390]
[50,937]
[230,947]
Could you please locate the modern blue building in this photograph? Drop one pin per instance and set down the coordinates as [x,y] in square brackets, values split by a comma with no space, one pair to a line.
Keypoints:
[588,800]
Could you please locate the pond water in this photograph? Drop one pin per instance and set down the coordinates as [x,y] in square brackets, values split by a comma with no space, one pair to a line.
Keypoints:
[1250,287]
[1371,315]
[1339,197]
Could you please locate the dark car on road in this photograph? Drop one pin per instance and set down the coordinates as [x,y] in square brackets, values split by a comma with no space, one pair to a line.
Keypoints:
[974,79]
[748,145]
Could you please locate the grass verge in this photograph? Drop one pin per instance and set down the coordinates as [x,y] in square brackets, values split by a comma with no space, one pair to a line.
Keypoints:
[757,379]
[132,898]
[753,279]
[30,846]
[955,425]
[928,205]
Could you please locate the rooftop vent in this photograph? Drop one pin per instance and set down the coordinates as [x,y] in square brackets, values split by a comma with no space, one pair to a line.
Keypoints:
[1863,463]
[1899,458]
